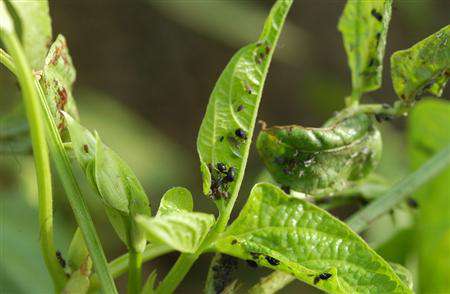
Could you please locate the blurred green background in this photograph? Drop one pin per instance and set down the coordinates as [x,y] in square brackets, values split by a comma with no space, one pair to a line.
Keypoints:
[145,70]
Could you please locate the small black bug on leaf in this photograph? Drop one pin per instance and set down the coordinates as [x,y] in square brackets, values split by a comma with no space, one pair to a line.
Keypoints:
[240,133]
[286,189]
[412,203]
[240,107]
[221,138]
[323,276]
[272,261]
[86,148]
[61,260]
[221,167]
[231,174]
[376,14]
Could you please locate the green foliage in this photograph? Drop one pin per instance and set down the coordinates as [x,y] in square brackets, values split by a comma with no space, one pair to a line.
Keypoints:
[78,253]
[322,160]
[233,105]
[177,199]
[433,224]
[33,25]
[57,78]
[423,68]
[292,235]
[403,273]
[364,26]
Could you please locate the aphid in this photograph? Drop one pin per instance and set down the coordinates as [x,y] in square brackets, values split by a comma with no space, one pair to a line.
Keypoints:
[286,189]
[267,50]
[231,174]
[221,138]
[323,276]
[252,263]
[240,133]
[272,261]
[255,255]
[248,89]
[233,242]
[376,14]
[221,167]
[61,260]
[86,148]
[239,108]
[412,203]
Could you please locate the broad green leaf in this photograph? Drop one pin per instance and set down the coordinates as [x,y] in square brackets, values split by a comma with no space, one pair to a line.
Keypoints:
[33,25]
[183,231]
[233,107]
[294,236]
[321,160]
[364,26]
[423,68]
[403,273]
[429,133]
[175,200]
[58,76]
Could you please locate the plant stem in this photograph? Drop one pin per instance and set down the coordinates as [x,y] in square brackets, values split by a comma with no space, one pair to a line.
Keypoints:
[360,220]
[73,192]
[272,283]
[19,64]
[134,272]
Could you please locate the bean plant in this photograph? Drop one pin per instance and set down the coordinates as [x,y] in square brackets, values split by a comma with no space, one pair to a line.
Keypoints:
[284,224]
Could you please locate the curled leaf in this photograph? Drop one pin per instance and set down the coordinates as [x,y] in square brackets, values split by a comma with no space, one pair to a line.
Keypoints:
[423,68]
[177,199]
[227,127]
[321,160]
[364,26]
[288,234]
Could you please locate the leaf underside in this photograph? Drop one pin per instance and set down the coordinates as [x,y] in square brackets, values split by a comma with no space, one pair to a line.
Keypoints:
[423,68]
[364,26]
[234,102]
[285,233]
[321,160]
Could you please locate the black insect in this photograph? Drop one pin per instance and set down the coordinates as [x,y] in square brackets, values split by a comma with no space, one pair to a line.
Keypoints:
[412,203]
[221,138]
[272,261]
[267,50]
[234,242]
[221,167]
[231,174]
[61,260]
[255,255]
[86,148]
[240,108]
[323,276]
[248,89]
[286,189]
[240,133]
[376,14]
[252,263]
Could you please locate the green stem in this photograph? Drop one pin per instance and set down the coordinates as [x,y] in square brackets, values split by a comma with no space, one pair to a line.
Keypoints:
[119,266]
[73,192]
[272,283]
[40,152]
[134,272]
[360,220]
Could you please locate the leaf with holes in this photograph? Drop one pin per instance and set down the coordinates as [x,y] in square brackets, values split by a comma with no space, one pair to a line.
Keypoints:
[423,68]
[285,233]
[364,26]
[321,160]
[227,127]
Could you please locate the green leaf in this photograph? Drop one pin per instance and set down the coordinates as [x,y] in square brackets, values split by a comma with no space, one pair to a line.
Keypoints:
[403,273]
[423,68]
[183,231]
[364,26]
[233,106]
[149,285]
[321,160]
[78,252]
[175,200]
[429,133]
[292,235]
[33,25]
[79,280]
[58,76]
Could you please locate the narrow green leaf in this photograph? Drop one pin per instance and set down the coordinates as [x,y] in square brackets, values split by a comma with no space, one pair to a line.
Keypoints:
[292,235]
[227,128]
[58,76]
[423,68]
[33,25]
[428,133]
[183,231]
[149,286]
[364,26]
[175,200]
[78,252]
[321,160]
